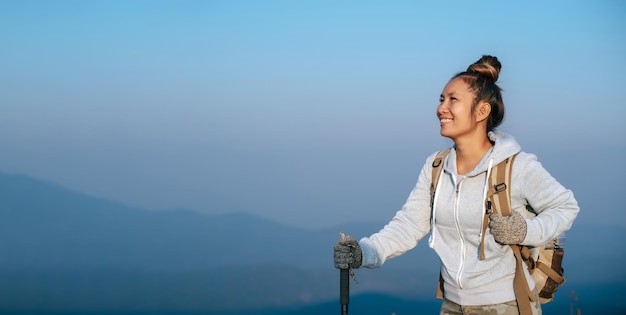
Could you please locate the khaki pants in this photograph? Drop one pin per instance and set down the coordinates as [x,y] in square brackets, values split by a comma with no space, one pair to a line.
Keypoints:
[508,308]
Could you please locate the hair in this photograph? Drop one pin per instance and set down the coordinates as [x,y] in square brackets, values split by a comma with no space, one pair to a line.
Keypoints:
[482,76]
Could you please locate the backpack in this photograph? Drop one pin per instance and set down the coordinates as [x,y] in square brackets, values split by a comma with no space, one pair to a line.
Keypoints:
[543,262]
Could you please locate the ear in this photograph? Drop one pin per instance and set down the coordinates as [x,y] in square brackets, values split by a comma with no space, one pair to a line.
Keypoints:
[483,110]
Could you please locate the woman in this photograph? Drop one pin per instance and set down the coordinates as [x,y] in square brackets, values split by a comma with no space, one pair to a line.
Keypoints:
[470,108]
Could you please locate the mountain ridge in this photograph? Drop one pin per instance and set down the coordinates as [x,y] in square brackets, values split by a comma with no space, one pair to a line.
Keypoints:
[49,226]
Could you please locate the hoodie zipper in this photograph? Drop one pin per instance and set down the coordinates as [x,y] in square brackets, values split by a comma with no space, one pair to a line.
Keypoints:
[458,222]
[458,228]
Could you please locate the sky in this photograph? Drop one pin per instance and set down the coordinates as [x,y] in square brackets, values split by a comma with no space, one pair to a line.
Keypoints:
[308,113]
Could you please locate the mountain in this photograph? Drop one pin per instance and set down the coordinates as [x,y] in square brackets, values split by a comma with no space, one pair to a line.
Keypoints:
[57,245]
[66,251]
[45,226]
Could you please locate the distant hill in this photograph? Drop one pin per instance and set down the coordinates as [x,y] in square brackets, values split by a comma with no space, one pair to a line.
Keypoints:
[43,225]
[58,245]
[63,250]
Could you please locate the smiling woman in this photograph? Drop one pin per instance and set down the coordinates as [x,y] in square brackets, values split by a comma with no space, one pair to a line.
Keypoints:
[478,266]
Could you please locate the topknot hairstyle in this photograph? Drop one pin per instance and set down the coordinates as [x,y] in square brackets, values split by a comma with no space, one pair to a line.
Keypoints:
[488,66]
[482,76]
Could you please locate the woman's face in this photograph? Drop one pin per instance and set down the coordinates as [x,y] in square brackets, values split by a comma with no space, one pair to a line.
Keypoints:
[455,110]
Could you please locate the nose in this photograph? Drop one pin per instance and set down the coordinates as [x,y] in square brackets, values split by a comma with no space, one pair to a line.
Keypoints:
[441,108]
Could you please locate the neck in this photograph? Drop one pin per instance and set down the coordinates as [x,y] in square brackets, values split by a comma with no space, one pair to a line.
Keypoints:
[473,148]
[470,151]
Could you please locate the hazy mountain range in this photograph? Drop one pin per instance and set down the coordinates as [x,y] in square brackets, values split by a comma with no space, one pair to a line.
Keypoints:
[63,251]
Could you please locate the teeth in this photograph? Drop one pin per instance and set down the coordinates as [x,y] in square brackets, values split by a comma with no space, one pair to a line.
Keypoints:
[446,120]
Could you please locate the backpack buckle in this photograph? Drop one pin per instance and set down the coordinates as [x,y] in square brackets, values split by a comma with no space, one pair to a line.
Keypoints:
[437,162]
[500,187]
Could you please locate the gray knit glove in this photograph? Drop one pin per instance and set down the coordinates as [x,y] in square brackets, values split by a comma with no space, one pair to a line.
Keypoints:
[347,253]
[508,230]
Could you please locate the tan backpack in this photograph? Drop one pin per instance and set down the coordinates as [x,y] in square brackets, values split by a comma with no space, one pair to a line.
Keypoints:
[546,270]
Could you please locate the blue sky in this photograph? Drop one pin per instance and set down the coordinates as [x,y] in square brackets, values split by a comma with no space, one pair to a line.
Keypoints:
[310,113]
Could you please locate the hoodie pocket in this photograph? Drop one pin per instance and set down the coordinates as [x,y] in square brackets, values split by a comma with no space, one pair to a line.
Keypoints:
[494,248]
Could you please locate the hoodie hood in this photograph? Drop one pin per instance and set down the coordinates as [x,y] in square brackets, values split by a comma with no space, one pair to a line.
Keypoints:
[504,146]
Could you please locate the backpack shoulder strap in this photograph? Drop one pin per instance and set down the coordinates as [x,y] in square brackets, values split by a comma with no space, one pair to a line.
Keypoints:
[499,200]
[437,168]
[498,195]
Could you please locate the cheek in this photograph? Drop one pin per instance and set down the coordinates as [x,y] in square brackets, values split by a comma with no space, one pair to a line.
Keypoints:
[463,111]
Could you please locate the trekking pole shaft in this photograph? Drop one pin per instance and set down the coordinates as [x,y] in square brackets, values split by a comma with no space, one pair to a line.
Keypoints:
[344,290]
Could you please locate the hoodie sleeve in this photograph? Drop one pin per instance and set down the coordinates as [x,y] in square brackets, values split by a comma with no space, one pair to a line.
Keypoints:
[555,205]
[409,225]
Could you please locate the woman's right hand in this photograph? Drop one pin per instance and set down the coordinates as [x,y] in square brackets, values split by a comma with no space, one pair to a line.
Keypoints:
[347,253]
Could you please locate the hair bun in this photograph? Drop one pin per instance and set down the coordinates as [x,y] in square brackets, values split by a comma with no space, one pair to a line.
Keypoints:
[488,66]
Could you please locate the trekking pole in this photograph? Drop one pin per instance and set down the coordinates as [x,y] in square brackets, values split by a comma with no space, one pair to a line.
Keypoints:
[344,282]
[344,290]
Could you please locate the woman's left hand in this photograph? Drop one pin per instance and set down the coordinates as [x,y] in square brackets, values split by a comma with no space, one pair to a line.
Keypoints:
[508,230]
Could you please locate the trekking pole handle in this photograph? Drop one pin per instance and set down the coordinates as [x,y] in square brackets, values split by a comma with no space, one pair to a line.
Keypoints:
[344,290]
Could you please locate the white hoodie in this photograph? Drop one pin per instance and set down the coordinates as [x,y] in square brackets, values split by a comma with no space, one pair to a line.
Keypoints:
[457,223]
